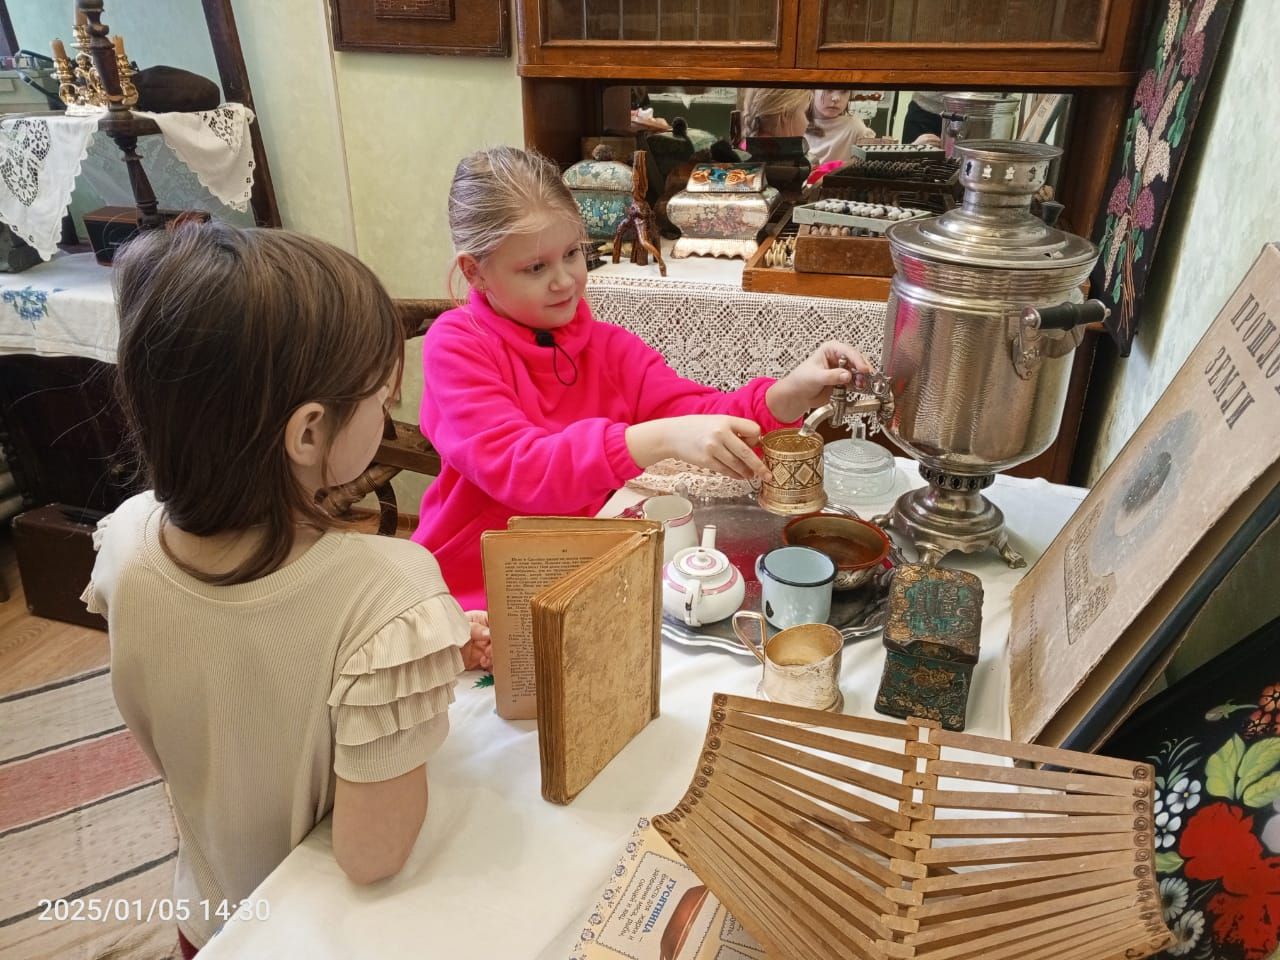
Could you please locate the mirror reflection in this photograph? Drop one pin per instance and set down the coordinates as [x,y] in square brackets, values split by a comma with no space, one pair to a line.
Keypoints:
[806,136]
[833,121]
[886,154]
[173,34]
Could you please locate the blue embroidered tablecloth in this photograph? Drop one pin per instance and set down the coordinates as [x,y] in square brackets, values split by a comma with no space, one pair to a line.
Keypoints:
[62,308]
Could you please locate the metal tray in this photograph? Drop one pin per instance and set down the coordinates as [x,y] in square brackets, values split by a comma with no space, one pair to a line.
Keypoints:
[744,530]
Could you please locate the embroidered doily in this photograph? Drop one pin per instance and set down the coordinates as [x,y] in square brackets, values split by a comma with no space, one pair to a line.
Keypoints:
[216,145]
[687,480]
[39,162]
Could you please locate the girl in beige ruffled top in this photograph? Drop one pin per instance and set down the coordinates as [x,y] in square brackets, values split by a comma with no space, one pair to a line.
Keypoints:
[833,132]
[272,665]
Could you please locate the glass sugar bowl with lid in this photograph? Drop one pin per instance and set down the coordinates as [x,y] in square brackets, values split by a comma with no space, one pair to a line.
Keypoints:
[858,472]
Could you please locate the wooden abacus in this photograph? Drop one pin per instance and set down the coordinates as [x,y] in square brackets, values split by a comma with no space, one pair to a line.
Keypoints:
[835,836]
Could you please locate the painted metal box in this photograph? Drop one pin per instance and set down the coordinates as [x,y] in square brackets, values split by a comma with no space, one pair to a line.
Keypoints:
[602,190]
[931,644]
[721,210]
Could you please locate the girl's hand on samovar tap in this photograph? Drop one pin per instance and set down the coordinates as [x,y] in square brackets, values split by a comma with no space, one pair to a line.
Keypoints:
[809,384]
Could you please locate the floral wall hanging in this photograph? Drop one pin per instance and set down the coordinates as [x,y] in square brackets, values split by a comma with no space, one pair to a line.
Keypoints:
[1214,739]
[1180,52]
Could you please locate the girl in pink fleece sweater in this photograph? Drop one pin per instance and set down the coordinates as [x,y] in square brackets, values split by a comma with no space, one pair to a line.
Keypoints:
[538,408]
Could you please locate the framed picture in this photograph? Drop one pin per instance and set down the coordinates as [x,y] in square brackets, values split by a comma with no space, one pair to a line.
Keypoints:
[1102,611]
[478,28]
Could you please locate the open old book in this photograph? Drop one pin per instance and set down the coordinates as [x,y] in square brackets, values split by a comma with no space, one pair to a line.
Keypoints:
[656,908]
[575,608]
[1100,614]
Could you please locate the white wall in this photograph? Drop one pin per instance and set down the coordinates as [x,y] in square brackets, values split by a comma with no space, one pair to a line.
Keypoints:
[362,148]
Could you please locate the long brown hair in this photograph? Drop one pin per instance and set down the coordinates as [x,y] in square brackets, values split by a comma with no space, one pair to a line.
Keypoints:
[224,332]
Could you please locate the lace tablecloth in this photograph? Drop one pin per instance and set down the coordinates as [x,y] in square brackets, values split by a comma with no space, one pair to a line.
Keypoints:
[41,156]
[723,336]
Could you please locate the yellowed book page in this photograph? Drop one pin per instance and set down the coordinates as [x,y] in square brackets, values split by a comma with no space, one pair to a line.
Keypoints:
[655,908]
[598,665]
[517,566]
[1208,440]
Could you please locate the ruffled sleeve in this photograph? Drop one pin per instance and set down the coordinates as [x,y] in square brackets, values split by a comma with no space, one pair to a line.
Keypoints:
[90,597]
[391,699]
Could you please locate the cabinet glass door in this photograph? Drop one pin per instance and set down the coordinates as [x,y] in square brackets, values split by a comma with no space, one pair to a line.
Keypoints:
[962,21]
[696,33]
[714,21]
[981,34]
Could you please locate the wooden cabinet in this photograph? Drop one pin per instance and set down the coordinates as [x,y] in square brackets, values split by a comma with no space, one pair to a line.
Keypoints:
[1005,43]
[571,50]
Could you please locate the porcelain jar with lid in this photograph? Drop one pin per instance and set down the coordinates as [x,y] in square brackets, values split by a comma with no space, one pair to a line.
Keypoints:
[601,188]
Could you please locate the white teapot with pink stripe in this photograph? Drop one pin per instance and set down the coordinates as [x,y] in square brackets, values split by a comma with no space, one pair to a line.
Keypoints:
[700,585]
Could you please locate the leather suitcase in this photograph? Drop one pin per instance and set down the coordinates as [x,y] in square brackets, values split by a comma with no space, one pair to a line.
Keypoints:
[54,545]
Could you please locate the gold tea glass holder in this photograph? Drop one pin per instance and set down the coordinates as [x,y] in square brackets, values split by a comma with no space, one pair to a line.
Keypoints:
[794,464]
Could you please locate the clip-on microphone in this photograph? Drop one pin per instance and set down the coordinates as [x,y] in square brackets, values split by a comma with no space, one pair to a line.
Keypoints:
[545,338]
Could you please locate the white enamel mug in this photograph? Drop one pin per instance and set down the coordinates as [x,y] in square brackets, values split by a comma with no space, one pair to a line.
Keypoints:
[676,516]
[795,585]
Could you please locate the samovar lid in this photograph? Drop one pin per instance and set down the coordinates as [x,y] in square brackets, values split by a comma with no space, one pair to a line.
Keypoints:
[994,227]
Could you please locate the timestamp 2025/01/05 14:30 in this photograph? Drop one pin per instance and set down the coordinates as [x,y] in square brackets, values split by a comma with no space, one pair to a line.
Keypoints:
[102,909]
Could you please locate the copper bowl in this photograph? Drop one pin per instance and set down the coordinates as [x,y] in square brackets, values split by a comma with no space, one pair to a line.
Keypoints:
[859,548]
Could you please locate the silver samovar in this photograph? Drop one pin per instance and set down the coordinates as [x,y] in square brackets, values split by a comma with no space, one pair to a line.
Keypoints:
[983,315]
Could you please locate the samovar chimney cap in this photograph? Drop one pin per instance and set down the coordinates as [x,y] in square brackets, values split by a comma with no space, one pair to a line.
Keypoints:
[995,227]
[1011,167]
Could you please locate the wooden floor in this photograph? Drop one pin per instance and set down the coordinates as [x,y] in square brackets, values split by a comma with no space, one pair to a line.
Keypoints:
[33,650]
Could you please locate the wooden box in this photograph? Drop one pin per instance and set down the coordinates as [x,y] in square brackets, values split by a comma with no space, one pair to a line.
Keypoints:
[759,278]
[847,256]
[110,227]
[931,644]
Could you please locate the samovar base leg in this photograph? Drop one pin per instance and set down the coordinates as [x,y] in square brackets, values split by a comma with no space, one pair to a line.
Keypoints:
[951,515]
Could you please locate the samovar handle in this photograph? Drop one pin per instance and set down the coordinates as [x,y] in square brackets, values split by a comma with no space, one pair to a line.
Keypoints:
[1029,347]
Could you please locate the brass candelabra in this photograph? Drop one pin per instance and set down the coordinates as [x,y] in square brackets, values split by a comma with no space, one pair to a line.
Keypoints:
[80,84]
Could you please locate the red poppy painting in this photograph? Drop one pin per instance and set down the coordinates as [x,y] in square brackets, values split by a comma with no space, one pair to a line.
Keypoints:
[1214,743]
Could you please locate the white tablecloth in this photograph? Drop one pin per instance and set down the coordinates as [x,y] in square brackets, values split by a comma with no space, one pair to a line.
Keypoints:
[62,308]
[500,874]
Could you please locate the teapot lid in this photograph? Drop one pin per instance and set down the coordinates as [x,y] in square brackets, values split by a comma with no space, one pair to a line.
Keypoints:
[995,227]
[700,563]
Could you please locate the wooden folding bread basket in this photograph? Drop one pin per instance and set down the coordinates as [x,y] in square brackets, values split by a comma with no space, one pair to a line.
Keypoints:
[835,836]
